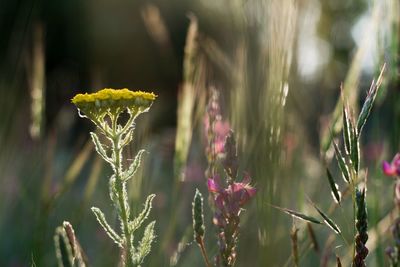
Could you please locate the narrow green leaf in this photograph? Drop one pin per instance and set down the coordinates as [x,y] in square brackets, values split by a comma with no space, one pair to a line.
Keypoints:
[355,150]
[369,101]
[134,166]
[342,164]
[99,147]
[127,138]
[113,190]
[137,222]
[144,247]
[107,228]
[328,221]
[346,130]
[334,187]
[299,215]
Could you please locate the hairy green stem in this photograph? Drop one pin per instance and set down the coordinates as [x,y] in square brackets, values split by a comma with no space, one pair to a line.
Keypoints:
[121,193]
[125,221]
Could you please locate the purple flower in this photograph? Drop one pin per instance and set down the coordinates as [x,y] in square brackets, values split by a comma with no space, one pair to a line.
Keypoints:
[393,168]
[213,185]
[230,200]
[242,192]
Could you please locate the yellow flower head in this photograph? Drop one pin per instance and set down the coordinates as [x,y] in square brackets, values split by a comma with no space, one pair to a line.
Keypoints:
[113,101]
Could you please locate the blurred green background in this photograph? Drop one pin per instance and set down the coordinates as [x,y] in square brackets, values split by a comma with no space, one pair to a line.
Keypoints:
[277,65]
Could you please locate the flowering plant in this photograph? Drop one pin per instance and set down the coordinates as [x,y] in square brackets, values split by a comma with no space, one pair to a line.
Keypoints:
[104,109]
[229,196]
[229,201]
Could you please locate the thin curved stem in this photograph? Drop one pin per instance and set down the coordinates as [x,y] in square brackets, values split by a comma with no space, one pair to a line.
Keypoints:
[200,241]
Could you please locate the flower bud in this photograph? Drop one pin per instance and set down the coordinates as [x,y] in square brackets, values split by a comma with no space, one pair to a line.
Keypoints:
[198,217]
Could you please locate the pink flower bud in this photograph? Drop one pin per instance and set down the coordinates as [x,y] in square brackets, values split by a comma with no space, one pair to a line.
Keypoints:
[393,168]
[388,169]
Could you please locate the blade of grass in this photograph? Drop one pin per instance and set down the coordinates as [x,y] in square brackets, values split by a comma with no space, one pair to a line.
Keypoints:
[328,221]
[342,163]
[334,187]
[369,101]
[346,125]
[355,149]
[298,215]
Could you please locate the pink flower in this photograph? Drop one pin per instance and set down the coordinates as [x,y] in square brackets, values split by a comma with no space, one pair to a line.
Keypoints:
[393,168]
[221,129]
[213,185]
[228,201]
[242,192]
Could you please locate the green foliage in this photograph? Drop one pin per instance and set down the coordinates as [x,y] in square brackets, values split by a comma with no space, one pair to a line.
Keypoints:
[334,187]
[99,147]
[107,228]
[134,166]
[342,163]
[369,102]
[355,150]
[44,179]
[328,221]
[347,129]
[349,165]
[142,216]
[144,247]
[299,215]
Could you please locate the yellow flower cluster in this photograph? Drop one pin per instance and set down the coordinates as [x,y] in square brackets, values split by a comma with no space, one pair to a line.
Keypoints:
[114,94]
[113,101]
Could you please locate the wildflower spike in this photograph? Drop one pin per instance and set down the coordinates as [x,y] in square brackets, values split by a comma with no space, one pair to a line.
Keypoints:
[362,227]
[230,162]
[198,217]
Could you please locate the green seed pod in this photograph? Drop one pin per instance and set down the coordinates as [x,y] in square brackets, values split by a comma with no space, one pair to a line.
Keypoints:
[198,217]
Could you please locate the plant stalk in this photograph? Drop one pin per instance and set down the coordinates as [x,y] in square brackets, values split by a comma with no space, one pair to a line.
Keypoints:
[200,241]
[121,193]
[353,197]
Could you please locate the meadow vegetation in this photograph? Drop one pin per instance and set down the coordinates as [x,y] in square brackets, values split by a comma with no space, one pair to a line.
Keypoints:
[252,133]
